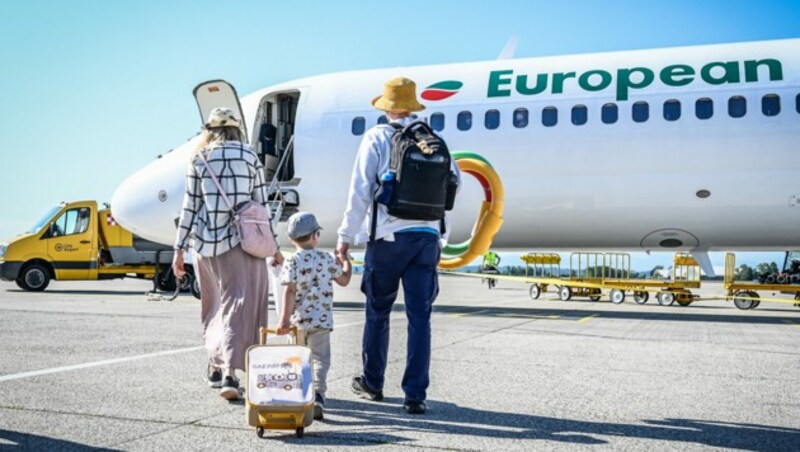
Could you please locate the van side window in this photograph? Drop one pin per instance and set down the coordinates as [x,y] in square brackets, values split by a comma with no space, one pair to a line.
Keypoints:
[358,126]
[382,119]
[672,110]
[492,119]
[704,108]
[737,106]
[609,113]
[521,117]
[437,122]
[72,221]
[770,104]
[640,112]
[579,115]
[464,120]
[549,116]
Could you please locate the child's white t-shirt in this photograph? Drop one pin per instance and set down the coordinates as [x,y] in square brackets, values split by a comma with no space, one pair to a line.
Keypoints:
[313,272]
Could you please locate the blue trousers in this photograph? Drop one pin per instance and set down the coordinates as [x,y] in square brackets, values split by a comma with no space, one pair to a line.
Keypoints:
[411,258]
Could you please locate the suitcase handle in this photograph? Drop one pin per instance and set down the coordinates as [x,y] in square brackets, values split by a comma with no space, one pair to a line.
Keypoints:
[264,331]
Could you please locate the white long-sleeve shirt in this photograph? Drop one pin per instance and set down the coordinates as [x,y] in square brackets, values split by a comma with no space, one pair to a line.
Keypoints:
[371,161]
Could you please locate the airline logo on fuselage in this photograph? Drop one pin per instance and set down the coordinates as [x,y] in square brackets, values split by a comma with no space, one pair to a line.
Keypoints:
[505,82]
[441,90]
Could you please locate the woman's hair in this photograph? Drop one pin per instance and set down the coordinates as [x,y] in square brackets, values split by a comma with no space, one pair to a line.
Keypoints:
[217,135]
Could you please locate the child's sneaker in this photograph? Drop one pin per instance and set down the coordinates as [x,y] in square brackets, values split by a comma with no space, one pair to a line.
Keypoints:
[230,389]
[319,407]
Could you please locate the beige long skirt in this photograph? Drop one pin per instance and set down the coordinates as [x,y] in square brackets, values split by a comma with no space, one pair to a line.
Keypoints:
[234,297]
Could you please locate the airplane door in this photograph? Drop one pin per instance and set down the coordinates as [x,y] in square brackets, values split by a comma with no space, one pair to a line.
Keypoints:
[218,93]
[70,242]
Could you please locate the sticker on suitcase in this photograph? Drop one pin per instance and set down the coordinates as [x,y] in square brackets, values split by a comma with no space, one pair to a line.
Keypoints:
[280,375]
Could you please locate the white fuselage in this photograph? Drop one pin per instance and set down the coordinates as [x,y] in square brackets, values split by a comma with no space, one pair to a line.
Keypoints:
[626,185]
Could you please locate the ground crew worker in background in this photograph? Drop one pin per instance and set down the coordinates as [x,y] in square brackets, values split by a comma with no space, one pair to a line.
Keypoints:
[406,250]
[491,260]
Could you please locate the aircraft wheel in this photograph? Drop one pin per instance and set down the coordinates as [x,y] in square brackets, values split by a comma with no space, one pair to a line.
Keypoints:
[742,300]
[665,298]
[641,297]
[34,278]
[616,296]
[535,292]
[565,293]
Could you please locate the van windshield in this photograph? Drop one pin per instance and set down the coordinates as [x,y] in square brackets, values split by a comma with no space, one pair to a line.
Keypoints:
[44,220]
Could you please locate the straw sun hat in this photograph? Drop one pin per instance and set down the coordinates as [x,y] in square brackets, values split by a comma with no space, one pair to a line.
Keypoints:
[399,95]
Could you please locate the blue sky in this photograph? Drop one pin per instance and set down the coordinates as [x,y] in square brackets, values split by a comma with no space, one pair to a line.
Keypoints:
[93,90]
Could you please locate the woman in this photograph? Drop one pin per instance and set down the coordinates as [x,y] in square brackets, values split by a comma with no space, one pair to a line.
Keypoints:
[234,286]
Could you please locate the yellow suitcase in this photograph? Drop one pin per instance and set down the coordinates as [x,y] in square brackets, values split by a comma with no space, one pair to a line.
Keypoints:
[280,386]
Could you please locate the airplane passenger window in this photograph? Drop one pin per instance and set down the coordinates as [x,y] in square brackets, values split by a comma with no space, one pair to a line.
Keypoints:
[770,104]
[492,119]
[521,117]
[737,106]
[797,103]
[464,120]
[437,122]
[704,108]
[359,123]
[640,112]
[579,115]
[609,113]
[549,116]
[382,119]
[672,110]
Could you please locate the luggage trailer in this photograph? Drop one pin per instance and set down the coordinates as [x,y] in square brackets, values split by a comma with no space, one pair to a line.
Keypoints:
[592,273]
[745,293]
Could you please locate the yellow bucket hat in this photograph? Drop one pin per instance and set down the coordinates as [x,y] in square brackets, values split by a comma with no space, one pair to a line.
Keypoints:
[399,95]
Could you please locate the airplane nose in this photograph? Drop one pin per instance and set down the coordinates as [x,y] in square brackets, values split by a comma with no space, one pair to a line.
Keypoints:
[148,203]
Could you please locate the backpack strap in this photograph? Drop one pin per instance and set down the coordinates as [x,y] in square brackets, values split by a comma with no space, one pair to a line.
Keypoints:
[216,181]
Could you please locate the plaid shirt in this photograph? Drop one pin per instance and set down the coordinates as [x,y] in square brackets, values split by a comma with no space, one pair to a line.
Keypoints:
[206,217]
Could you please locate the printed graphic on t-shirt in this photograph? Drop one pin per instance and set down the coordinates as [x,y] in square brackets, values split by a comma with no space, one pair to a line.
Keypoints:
[313,272]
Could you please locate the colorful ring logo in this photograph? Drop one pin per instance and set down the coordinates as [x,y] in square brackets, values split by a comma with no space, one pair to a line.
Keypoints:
[441,90]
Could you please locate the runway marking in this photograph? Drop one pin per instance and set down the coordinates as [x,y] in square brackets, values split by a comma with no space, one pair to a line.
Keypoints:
[587,318]
[107,362]
[54,370]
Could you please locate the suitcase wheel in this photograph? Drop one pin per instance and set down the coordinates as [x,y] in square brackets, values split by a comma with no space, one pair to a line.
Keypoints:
[260,432]
[299,431]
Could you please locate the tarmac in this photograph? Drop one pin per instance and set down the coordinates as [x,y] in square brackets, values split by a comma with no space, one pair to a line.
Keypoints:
[100,366]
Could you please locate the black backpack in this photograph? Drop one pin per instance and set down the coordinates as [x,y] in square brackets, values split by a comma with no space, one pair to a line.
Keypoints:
[420,184]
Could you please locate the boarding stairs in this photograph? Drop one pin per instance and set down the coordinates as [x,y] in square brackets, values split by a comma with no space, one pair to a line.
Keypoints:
[283,199]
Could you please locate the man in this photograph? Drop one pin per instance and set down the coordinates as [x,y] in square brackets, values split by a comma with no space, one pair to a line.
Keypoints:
[491,260]
[406,250]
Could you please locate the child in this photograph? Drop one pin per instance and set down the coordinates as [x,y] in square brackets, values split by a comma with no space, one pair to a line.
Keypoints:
[308,296]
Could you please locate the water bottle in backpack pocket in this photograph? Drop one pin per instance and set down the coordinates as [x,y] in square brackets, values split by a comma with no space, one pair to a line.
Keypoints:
[386,189]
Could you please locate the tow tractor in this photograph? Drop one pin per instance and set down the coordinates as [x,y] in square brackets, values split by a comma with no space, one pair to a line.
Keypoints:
[591,273]
[745,293]
[77,241]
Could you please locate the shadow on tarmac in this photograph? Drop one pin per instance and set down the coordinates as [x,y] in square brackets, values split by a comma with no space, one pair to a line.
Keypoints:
[384,423]
[11,440]
[681,313]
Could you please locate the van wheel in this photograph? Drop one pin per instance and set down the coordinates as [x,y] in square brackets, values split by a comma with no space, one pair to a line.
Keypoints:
[34,277]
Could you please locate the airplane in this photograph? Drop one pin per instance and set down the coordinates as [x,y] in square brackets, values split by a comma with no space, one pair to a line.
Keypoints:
[688,148]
